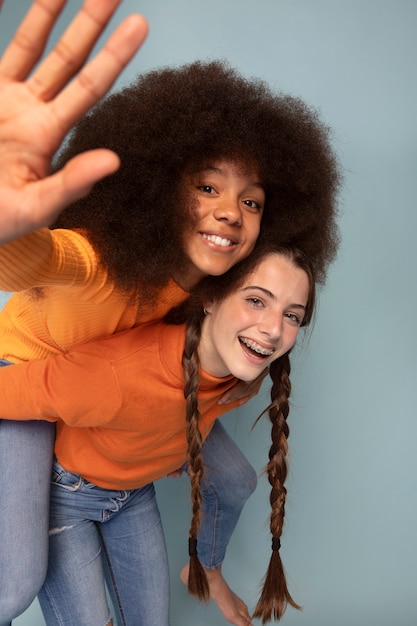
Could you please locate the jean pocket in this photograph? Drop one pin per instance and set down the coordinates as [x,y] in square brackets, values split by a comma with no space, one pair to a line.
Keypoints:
[65,479]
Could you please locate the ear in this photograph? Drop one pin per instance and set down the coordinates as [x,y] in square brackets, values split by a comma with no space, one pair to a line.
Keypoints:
[208,307]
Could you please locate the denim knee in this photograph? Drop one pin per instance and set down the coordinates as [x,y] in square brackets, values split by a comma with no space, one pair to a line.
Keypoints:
[242,482]
[232,486]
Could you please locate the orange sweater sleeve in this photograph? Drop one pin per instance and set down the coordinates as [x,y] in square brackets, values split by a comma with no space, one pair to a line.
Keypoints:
[66,387]
[46,257]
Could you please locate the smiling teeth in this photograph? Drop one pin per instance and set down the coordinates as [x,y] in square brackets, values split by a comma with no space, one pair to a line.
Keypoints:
[218,240]
[256,347]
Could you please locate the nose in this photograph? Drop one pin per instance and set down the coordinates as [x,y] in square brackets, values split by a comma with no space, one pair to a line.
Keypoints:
[271,325]
[228,210]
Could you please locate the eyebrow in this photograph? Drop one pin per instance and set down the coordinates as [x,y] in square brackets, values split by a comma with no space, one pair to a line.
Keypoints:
[271,295]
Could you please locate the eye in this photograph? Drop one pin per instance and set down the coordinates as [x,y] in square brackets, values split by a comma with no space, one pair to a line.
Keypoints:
[296,319]
[252,204]
[255,302]
[206,189]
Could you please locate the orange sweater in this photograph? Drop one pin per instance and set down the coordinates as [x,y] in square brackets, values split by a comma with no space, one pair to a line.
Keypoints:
[120,403]
[79,301]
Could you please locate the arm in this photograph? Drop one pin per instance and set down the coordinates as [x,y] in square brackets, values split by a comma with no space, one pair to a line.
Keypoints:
[38,109]
[47,257]
[67,387]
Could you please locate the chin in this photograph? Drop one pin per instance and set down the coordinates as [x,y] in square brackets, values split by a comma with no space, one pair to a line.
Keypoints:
[218,271]
[248,377]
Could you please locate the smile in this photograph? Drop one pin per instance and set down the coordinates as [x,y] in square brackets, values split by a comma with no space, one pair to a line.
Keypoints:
[256,347]
[219,241]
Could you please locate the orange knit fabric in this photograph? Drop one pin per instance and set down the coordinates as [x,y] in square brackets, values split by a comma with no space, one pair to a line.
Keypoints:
[121,403]
[79,301]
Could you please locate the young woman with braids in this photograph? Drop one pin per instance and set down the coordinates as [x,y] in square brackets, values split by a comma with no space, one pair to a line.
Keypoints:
[208,161]
[110,446]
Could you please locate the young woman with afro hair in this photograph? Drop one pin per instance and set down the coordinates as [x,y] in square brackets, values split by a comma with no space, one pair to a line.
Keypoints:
[210,162]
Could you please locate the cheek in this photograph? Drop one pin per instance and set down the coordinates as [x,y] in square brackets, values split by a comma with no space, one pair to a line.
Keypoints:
[226,322]
[253,227]
[193,212]
[291,338]
[192,222]
[197,208]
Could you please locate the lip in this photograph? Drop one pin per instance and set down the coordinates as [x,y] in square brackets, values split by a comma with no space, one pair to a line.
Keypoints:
[218,241]
[257,352]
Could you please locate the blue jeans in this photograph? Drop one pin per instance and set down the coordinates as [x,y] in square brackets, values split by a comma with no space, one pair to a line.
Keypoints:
[97,534]
[228,481]
[26,452]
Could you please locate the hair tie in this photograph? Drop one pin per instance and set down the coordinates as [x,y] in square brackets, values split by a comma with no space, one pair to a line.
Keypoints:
[192,546]
[276,544]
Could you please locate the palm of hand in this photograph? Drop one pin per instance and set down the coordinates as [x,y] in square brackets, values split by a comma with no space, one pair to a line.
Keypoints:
[35,115]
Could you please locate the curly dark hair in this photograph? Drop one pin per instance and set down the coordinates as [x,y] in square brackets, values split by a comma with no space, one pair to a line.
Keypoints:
[173,119]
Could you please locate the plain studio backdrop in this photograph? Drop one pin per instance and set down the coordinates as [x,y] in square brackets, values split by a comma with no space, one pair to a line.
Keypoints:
[350,541]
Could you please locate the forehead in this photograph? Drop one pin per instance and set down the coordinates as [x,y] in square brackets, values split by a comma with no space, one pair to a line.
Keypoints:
[229,167]
[278,275]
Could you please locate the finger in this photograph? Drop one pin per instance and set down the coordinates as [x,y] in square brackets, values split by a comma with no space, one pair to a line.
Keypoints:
[175,474]
[41,202]
[73,48]
[29,41]
[74,181]
[224,400]
[99,75]
[79,175]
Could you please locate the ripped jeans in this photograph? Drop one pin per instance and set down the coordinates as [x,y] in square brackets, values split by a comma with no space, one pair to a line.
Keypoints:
[96,535]
[26,451]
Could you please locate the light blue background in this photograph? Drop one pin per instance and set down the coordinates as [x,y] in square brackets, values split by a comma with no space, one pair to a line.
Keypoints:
[350,546]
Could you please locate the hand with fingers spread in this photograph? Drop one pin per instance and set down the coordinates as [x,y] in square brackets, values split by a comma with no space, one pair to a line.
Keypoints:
[37,110]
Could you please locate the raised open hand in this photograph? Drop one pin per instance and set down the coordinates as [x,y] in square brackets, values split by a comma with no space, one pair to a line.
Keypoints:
[38,109]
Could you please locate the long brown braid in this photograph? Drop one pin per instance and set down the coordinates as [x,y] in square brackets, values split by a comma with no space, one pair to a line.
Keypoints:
[197,579]
[275,595]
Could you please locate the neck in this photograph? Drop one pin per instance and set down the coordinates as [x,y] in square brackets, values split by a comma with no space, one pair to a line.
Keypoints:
[188,276]
[208,357]
[186,283]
